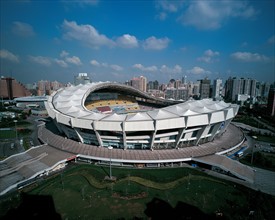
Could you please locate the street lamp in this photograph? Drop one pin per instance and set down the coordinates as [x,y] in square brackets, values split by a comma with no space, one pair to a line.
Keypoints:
[110,148]
[259,117]
[15,130]
[255,137]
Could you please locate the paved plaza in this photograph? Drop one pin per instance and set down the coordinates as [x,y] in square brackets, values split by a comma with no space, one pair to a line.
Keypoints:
[57,150]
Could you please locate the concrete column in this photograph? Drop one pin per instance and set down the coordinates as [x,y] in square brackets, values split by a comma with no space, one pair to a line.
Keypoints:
[179,137]
[153,135]
[124,135]
[78,135]
[214,131]
[99,140]
[200,132]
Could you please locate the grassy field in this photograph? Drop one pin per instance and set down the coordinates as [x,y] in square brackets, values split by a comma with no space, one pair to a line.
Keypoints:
[7,134]
[260,159]
[80,192]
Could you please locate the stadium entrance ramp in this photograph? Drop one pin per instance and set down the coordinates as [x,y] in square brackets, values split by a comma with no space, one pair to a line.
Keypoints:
[228,166]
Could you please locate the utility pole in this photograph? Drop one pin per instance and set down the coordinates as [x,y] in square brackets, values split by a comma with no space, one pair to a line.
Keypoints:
[110,148]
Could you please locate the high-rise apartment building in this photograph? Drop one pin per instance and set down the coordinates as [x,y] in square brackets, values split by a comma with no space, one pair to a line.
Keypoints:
[196,89]
[217,88]
[184,80]
[176,93]
[271,102]
[204,88]
[235,86]
[153,85]
[45,87]
[178,84]
[139,83]
[81,78]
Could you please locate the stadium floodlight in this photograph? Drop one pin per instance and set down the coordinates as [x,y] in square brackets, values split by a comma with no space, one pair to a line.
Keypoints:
[110,148]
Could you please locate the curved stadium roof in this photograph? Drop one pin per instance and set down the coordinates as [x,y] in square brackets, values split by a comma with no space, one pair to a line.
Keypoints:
[70,101]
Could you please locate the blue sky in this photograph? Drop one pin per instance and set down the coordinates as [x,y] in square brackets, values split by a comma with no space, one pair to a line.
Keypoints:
[117,40]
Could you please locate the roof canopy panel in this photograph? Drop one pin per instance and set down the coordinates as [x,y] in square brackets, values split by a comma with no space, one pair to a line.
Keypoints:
[139,117]
[161,114]
[70,101]
[114,117]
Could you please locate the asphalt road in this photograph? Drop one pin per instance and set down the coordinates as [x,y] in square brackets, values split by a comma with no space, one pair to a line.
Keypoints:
[9,147]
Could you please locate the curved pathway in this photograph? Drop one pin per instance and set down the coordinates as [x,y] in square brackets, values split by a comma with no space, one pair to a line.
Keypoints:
[232,137]
[40,160]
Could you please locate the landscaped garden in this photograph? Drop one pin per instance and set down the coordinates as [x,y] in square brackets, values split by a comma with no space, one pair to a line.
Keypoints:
[80,192]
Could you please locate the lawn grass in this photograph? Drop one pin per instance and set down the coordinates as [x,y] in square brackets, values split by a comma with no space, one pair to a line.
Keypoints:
[7,134]
[262,160]
[80,192]
[269,139]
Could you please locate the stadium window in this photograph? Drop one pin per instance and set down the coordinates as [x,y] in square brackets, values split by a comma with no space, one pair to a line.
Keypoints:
[194,134]
[211,129]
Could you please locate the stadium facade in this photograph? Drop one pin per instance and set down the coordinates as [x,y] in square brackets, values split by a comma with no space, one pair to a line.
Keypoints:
[111,114]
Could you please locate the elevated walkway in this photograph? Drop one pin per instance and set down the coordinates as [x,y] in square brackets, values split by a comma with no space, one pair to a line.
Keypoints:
[23,167]
[228,165]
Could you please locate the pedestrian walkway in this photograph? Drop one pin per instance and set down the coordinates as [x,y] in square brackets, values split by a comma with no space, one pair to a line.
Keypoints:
[265,181]
[234,167]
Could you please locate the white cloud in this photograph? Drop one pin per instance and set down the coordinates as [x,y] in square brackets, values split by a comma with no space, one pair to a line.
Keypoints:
[67,60]
[74,60]
[161,16]
[198,71]
[106,65]
[209,56]
[94,63]
[249,57]
[46,61]
[127,41]
[22,29]
[116,67]
[165,7]
[177,69]
[64,53]
[5,54]
[211,53]
[171,6]
[86,34]
[210,15]
[153,43]
[145,69]
[138,66]
[61,63]
[183,49]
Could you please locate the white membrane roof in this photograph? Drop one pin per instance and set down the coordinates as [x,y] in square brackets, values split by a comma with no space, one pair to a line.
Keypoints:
[70,101]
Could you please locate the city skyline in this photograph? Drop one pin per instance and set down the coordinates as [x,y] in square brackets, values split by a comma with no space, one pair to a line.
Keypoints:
[118,41]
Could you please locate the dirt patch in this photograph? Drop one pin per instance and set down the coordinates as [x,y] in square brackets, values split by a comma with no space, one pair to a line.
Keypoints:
[130,197]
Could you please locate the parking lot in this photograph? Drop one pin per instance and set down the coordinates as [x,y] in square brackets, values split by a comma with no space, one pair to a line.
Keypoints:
[9,147]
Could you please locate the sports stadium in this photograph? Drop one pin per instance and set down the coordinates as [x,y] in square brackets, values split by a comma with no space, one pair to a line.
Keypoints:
[114,124]
[111,114]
